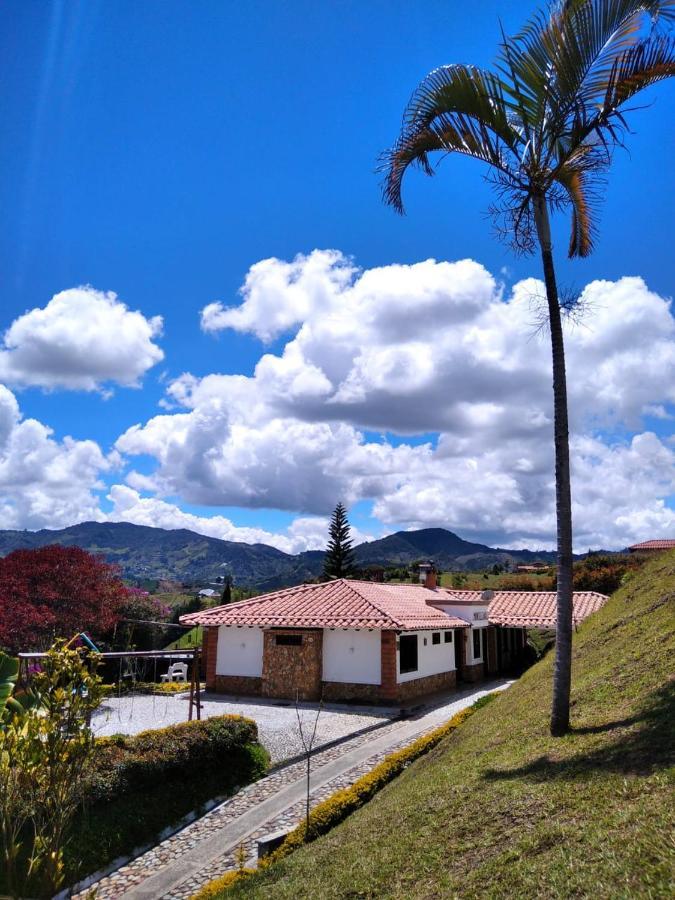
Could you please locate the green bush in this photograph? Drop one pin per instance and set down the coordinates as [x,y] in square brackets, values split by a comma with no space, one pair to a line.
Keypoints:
[146,782]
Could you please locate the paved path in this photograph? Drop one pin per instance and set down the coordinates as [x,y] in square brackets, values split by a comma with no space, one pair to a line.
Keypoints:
[178,866]
[276,720]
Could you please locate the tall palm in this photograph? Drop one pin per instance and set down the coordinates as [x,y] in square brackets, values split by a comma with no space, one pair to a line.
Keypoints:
[546,122]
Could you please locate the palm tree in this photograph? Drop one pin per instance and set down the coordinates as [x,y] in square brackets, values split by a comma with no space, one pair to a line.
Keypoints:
[546,122]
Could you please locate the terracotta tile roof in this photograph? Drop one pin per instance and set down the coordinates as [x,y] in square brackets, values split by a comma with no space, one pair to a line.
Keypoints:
[529,609]
[335,604]
[666,544]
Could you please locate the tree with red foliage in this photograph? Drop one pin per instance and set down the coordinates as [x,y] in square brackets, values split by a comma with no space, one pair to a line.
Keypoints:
[56,592]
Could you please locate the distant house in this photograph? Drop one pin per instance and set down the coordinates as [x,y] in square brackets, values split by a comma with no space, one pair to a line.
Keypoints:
[207,592]
[533,567]
[653,546]
[372,642]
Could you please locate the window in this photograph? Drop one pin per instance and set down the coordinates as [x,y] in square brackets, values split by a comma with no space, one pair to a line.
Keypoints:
[477,632]
[407,653]
[436,637]
[289,640]
[447,637]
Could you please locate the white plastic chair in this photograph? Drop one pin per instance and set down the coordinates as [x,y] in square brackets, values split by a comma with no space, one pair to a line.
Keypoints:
[177,672]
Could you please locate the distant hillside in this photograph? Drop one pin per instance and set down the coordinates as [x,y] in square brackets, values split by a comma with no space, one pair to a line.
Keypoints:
[502,810]
[448,551]
[182,555]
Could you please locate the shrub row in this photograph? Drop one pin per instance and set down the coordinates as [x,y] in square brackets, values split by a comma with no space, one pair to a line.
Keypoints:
[144,783]
[336,808]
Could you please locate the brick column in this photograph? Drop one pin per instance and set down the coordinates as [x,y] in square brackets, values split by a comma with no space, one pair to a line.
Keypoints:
[210,652]
[388,685]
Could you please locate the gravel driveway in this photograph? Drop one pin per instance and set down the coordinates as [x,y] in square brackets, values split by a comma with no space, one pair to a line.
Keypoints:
[277,720]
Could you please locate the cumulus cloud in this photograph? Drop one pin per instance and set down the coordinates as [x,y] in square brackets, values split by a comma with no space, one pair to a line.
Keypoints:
[45,483]
[305,533]
[82,339]
[435,347]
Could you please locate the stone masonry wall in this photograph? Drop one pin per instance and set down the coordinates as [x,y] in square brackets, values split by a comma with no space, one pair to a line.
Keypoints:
[337,691]
[473,673]
[442,682]
[291,668]
[248,685]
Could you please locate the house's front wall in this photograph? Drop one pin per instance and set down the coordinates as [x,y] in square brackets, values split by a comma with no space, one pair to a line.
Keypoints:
[435,665]
[351,656]
[432,659]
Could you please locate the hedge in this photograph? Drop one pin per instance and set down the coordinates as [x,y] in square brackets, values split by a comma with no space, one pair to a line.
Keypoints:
[144,783]
[335,809]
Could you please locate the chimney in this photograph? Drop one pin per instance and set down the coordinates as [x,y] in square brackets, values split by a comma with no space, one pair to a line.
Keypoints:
[487,596]
[428,575]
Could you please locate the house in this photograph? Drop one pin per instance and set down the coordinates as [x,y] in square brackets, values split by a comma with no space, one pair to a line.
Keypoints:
[653,546]
[372,642]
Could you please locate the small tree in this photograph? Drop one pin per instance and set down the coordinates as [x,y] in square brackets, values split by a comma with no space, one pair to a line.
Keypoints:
[339,561]
[45,754]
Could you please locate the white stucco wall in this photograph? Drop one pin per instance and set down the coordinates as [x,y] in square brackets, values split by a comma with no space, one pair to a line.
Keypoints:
[431,659]
[240,651]
[352,656]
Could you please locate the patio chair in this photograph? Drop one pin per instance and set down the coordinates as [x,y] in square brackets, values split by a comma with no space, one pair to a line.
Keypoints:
[177,672]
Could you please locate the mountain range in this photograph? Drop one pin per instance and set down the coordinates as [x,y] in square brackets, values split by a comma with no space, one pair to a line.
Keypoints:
[142,552]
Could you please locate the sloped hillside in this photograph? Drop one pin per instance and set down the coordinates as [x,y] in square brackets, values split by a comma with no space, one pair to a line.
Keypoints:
[500,809]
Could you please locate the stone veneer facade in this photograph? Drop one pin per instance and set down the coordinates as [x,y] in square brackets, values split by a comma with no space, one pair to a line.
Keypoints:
[298,667]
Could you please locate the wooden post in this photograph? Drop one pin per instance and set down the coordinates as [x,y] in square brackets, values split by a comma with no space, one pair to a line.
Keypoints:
[197,667]
[192,688]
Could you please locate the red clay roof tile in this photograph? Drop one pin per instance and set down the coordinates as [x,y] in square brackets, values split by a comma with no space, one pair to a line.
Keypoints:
[335,604]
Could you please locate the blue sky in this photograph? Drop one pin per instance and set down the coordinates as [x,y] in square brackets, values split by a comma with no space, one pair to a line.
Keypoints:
[160,150]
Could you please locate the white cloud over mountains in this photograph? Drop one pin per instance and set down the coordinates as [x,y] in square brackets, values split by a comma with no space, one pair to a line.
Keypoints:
[45,482]
[431,347]
[434,348]
[82,339]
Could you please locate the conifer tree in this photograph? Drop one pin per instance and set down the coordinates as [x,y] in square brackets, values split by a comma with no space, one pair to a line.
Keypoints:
[339,561]
[227,592]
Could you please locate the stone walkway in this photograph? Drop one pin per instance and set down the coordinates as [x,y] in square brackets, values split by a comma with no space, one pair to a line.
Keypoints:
[179,865]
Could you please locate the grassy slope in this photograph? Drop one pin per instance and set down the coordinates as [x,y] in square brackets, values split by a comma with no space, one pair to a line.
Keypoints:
[500,809]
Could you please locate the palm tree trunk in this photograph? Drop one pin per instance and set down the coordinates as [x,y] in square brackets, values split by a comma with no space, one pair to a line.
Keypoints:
[562,675]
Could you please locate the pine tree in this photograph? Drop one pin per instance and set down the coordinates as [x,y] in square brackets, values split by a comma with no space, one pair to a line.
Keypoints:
[339,561]
[227,592]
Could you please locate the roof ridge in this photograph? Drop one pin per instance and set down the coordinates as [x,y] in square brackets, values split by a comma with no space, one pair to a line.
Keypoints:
[387,615]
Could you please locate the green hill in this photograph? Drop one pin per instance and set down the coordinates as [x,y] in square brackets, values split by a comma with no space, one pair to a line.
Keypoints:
[499,809]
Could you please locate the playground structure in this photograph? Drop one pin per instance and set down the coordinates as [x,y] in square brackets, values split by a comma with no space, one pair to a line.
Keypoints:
[128,659]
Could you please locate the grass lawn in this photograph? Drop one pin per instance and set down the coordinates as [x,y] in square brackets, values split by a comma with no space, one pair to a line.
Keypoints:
[500,809]
[188,639]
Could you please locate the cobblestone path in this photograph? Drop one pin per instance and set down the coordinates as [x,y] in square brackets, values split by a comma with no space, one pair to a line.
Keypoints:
[179,865]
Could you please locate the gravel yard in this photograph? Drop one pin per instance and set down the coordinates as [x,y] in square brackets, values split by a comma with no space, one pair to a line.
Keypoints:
[277,720]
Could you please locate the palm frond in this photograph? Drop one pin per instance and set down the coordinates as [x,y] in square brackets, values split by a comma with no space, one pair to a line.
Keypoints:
[464,90]
[580,177]
[456,109]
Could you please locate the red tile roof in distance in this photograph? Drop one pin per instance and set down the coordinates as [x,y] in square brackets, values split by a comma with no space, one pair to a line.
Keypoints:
[529,609]
[335,604]
[665,544]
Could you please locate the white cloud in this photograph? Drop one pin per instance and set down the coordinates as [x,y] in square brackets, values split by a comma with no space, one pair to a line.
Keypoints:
[82,339]
[431,347]
[45,483]
[306,533]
